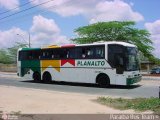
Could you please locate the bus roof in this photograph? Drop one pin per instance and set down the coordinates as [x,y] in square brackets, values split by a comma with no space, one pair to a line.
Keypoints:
[109,42]
[91,44]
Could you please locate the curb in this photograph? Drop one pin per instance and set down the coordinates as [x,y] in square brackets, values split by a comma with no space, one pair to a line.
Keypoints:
[150,78]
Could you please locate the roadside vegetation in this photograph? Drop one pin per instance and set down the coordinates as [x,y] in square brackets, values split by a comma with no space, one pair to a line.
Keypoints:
[137,104]
[9,55]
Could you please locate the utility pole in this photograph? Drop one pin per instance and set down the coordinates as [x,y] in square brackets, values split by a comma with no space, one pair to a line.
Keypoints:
[29,39]
[29,45]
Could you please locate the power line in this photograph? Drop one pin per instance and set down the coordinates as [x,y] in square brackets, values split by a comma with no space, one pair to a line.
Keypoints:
[16,7]
[26,9]
[22,17]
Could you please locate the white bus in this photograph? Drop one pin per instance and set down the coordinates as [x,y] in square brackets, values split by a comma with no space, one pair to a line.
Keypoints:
[103,63]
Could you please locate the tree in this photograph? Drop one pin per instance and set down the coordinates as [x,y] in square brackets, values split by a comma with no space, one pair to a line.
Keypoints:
[8,56]
[4,57]
[116,31]
[13,51]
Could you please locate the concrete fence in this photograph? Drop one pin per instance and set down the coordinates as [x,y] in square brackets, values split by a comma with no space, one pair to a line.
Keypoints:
[8,67]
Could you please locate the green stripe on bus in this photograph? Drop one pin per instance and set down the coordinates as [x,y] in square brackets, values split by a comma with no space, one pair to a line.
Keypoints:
[133,80]
[26,65]
[30,48]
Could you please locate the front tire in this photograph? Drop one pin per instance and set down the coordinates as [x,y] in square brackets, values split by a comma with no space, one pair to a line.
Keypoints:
[103,80]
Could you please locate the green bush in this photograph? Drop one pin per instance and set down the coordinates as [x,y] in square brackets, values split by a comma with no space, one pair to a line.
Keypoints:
[140,104]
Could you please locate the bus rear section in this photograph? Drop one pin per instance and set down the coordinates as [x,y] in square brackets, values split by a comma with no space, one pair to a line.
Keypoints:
[28,62]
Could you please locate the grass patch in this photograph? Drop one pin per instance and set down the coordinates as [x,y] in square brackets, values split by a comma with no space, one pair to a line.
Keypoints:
[138,104]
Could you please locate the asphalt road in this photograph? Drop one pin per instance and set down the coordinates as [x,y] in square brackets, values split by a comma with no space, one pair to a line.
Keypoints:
[10,79]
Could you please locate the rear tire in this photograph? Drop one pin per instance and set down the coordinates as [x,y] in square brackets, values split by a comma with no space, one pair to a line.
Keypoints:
[47,77]
[103,80]
[36,77]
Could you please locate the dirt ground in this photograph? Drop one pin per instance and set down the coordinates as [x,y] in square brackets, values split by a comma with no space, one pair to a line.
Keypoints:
[35,101]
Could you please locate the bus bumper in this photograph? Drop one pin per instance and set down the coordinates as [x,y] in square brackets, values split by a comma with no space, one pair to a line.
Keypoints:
[131,81]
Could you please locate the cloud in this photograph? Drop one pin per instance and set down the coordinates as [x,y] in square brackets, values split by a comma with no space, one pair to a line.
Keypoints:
[154,29]
[44,25]
[9,37]
[42,40]
[9,4]
[42,32]
[46,32]
[115,10]
[94,10]
[67,7]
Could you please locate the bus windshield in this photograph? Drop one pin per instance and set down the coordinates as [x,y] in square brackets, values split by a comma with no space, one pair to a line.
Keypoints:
[132,61]
[123,57]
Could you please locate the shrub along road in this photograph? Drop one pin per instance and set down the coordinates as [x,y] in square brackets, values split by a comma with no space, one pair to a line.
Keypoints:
[142,89]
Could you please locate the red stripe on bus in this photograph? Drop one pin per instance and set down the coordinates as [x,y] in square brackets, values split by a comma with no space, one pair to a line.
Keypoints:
[71,61]
[69,45]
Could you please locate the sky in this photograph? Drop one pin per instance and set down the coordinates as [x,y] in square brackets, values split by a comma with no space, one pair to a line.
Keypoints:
[54,21]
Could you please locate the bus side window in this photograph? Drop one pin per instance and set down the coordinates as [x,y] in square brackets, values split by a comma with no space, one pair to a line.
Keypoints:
[89,52]
[52,55]
[63,53]
[71,53]
[78,53]
[99,52]
[42,54]
[56,54]
[83,55]
[49,54]
[36,55]
[21,55]
[29,57]
[25,55]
